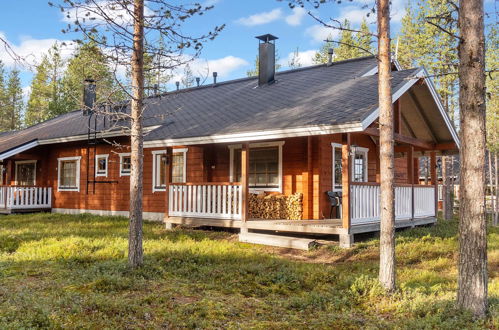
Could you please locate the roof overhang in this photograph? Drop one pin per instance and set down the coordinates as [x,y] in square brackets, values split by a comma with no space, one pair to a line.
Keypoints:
[18,149]
[420,74]
[257,135]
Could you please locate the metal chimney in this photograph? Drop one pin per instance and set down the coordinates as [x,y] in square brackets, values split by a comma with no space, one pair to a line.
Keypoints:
[266,59]
[330,53]
[89,96]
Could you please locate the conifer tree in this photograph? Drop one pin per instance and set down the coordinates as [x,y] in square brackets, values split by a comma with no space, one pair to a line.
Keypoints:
[37,109]
[364,40]
[88,62]
[3,102]
[14,101]
[346,44]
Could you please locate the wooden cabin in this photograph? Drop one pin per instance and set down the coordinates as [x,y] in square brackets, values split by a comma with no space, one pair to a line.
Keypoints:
[267,153]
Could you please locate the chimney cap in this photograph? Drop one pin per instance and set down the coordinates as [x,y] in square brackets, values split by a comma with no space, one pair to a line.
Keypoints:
[266,37]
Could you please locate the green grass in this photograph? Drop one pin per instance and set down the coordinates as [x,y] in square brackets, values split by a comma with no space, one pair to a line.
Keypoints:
[59,271]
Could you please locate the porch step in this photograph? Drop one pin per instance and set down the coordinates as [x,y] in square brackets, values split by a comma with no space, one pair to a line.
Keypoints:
[279,241]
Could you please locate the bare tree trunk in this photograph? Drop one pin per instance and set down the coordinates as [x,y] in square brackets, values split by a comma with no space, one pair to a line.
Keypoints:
[135,252]
[488,187]
[387,235]
[496,208]
[446,189]
[472,278]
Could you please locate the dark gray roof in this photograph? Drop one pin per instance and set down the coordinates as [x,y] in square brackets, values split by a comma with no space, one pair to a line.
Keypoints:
[317,95]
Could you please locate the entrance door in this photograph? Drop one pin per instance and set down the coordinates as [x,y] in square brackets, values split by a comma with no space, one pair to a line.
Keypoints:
[26,173]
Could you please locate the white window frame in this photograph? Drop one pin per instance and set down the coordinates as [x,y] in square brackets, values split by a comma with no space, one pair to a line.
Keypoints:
[24,162]
[97,157]
[123,155]
[59,160]
[333,179]
[155,172]
[258,145]
[365,151]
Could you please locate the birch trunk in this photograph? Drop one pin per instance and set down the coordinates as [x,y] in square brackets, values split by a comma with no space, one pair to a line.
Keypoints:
[135,252]
[472,268]
[387,235]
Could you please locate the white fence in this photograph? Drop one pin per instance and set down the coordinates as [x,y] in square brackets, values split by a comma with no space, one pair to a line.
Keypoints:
[206,200]
[365,202]
[12,198]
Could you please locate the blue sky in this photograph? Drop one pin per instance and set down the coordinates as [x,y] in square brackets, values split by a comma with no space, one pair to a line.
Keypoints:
[31,26]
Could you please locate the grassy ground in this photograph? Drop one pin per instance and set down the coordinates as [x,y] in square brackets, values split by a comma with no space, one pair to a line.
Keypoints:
[59,271]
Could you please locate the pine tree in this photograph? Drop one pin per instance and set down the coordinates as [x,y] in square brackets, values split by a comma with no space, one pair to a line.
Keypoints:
[88,62]
[14,98]
[321,56]
[187,79]
[3,101]
[294,62]
[37,109]
[346,44]
[364,40]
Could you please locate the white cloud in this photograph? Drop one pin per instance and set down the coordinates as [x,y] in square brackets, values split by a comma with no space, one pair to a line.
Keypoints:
[261,18]
[31,50]
[354,14]
[319,33]
[297,16]
[305,58]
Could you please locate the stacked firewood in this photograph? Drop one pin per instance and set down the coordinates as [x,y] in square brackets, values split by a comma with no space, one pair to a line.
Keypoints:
[276,206]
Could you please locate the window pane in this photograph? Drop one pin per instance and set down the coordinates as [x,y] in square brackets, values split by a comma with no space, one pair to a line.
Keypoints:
[178,167]
[101,165]
[68,174]
[126,164]
[263,167]
[337,168]
[161,166]
[359,167]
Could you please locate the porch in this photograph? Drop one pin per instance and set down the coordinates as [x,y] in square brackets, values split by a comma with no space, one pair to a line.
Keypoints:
[18,199]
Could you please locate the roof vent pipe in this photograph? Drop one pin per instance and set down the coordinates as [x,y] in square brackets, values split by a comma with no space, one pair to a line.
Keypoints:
[266,59]
[89,96]
[178,84]
[197,81]
[330,53]
[215,78]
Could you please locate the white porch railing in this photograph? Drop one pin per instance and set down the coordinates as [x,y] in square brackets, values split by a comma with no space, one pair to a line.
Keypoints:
[365,202]
[12,197]
[206,200]
[424,201]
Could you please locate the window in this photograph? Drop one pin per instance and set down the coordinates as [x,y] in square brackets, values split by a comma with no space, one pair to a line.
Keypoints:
[101,162]
[337,167]
[125,164]
[159,168]
[265,165]
[68,174]
[25,174]
[359,163]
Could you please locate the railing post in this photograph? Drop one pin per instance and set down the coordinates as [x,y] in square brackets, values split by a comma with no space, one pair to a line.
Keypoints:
[168,175]
[245,181]
[410,176]
[345,181]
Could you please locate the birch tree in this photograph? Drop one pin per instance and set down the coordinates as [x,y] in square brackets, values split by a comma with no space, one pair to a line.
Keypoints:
[120,27]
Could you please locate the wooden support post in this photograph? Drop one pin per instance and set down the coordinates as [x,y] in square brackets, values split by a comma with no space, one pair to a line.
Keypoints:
[245,181]
[8,173]
[308,188]
[416,171]
[397,117]
[433,176]
[346,173]
[410,175]
[168,178]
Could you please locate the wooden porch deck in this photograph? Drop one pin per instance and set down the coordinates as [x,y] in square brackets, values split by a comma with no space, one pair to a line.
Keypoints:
[322,227]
